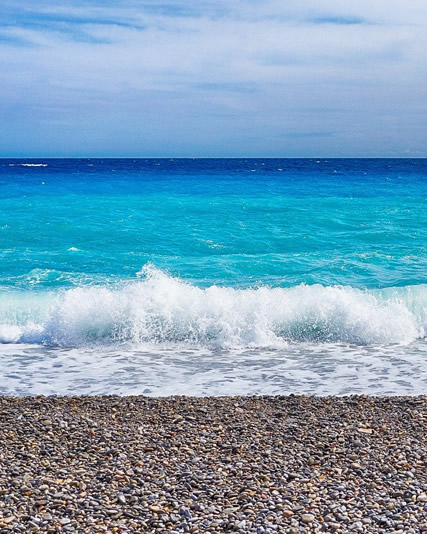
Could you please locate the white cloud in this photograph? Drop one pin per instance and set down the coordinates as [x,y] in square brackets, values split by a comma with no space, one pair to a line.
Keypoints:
[263,70]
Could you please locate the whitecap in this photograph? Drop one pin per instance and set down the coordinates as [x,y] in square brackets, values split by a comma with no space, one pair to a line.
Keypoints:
[32,164]
[161,309]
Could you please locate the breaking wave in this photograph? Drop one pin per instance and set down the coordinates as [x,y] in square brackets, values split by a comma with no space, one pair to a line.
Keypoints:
[161,309]
[32,164]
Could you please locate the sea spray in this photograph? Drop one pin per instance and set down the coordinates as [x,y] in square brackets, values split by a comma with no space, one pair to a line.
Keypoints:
[159,309]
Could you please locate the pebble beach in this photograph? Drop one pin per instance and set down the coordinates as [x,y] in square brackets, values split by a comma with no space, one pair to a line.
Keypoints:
[215,464]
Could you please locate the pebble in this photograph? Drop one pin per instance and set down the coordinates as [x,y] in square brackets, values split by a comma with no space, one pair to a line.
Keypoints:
[307,518]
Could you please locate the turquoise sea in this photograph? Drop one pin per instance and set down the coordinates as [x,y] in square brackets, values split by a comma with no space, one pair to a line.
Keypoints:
[213,276]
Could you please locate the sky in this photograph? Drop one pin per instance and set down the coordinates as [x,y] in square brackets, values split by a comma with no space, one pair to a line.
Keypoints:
[213,78]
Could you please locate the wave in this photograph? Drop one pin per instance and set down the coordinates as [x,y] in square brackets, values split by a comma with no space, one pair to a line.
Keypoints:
[33,164]
[161,309]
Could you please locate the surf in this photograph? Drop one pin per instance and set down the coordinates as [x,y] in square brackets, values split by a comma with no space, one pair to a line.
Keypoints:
[159,309]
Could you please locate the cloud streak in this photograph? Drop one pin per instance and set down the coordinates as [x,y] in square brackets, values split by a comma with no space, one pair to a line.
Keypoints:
[213,78]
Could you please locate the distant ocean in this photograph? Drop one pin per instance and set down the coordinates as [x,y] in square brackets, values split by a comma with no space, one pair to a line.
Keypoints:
[213,276]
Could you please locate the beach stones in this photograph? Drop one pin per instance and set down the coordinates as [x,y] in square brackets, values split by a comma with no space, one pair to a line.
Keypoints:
[198,465]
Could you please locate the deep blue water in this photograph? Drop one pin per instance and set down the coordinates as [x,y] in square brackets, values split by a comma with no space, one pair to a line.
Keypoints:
[237,223]
[212,254]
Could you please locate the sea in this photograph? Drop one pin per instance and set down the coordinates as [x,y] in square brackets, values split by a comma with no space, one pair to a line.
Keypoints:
[213,276]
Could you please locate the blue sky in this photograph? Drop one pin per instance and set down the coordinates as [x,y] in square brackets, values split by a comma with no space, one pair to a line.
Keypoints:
[231,78]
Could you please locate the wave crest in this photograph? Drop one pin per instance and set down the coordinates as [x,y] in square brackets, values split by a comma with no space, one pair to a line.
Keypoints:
[160,309]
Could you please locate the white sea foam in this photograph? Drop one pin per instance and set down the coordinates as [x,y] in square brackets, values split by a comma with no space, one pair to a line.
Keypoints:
[159,309]
[32,164]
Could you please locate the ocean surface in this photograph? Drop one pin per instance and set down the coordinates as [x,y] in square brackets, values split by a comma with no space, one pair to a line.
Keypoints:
[213,276]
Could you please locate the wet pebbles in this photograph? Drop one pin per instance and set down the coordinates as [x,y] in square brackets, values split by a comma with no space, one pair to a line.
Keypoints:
[206,465]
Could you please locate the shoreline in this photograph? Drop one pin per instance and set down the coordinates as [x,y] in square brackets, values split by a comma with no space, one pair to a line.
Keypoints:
[213,464]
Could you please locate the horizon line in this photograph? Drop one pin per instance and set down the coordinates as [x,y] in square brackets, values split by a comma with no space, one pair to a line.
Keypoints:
[207,157]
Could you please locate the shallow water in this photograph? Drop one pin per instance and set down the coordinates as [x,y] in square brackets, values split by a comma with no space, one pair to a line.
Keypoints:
[327,369]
